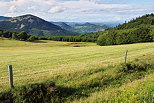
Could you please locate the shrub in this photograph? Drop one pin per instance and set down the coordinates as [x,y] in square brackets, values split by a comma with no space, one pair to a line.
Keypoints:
[31,38]
[15,36]
[31,93]
[132,67]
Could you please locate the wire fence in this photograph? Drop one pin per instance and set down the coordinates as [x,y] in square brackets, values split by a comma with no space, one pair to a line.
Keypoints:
[19,78]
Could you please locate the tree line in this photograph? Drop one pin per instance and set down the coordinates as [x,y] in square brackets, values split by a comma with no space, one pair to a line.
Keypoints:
[126,36]
[23,36]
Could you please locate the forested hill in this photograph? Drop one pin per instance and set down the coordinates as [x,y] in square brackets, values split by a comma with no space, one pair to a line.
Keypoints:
[137,30]
[146,20]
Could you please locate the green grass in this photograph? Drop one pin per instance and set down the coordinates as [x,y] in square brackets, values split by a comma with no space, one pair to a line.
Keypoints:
[72,67]
[137,91]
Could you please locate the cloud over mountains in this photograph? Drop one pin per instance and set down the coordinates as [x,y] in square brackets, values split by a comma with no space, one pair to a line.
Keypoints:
[75,10]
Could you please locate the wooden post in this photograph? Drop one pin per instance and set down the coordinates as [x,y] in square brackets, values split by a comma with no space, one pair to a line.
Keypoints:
[126,56]
[10,76]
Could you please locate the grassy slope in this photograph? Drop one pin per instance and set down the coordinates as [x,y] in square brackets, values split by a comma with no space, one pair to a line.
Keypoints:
[67,65]
[138,91]
[112,86]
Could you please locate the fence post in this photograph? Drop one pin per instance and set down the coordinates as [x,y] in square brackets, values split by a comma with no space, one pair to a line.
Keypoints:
[10,76]
[126,56]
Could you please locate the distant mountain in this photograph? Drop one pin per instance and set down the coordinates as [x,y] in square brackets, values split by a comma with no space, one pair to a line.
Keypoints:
[89,28]
[3,17]
[85,24]
[81,28]
[111,24]
[33,25]
[63,25]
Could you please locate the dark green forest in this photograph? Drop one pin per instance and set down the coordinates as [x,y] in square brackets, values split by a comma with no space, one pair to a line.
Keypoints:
[137,30]
[23,36]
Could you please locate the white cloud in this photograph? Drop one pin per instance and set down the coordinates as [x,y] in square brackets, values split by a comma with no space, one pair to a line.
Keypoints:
[89,10]
[55,9]
[33,8]
[12,9]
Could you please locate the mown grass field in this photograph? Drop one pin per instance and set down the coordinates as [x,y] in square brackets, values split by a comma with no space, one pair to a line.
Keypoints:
[75,65]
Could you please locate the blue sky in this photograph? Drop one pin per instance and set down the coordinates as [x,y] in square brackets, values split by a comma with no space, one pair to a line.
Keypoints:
[78,10]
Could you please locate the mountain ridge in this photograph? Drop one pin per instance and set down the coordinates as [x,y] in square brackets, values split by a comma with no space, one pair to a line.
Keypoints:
[4,17]
[32,25]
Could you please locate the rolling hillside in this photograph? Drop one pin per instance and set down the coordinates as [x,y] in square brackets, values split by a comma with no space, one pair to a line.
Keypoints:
[82,71]
[33,25]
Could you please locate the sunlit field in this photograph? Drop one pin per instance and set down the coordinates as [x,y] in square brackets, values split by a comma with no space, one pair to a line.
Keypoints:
[69,64]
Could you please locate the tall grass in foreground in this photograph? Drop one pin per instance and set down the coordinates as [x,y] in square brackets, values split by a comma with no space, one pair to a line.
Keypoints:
[131,82]
[127,84]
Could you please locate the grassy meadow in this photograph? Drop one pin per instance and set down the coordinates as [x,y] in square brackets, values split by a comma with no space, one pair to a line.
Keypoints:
[89,69]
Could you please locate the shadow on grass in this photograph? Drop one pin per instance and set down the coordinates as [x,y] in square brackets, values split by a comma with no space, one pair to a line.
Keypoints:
[39,93]
[65,93]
